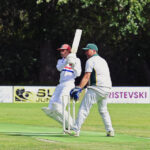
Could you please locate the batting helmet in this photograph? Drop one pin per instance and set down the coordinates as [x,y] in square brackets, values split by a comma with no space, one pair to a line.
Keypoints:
[65,46]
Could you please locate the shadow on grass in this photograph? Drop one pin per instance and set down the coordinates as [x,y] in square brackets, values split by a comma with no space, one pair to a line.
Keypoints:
[51,134]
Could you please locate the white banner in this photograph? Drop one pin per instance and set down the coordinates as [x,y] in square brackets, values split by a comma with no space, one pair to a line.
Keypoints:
[42,94]
[6,94]
[129,95]
[33,94]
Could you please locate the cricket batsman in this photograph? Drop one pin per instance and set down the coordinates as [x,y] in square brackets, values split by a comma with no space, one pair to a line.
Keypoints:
[69,67]
[97,76]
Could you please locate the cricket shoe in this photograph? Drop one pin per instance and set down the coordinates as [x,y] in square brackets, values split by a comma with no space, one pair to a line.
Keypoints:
[110,134]
[66,131]
[73,133]
[46,110]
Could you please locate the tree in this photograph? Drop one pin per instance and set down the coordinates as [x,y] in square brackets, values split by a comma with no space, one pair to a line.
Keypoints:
[31,32]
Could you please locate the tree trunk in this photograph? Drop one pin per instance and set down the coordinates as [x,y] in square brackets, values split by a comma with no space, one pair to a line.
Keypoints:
[48,73]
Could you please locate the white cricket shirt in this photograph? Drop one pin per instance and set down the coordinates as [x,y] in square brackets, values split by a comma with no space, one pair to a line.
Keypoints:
[67,72]
[100,74]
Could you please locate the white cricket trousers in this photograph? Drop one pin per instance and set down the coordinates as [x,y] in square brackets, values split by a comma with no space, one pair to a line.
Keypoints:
[55,104]
[91,97]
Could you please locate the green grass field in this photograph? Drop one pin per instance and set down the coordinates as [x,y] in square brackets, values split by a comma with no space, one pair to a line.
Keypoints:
[26,127]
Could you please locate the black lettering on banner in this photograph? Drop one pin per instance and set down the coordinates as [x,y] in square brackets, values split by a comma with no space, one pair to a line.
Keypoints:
[41,93]
[48,93]
[40,99]
[44,92]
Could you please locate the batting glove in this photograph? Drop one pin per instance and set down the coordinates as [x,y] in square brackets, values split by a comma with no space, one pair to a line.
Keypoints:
[75,93]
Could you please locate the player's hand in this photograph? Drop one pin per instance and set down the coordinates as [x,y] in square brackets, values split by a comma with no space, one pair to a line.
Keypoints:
[71,55]
[71,61]
[75,93]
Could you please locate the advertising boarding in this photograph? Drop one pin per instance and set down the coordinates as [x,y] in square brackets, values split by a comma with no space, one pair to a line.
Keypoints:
[42,94]
[33,94]
[6,94]
[129,95]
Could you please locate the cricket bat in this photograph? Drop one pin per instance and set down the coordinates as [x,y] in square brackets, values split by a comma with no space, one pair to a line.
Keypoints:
[76,41]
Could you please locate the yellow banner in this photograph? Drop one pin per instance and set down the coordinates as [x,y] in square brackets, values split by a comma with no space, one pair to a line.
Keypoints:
[33,94]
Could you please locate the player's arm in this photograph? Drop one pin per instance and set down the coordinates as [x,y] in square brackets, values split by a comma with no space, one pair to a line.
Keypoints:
[61,63]
[86,77]
[85,80]
[75,63]
[75,92]
[77,68]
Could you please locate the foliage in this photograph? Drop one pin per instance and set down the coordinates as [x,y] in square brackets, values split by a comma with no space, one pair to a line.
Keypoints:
[126,15]
[119,28]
